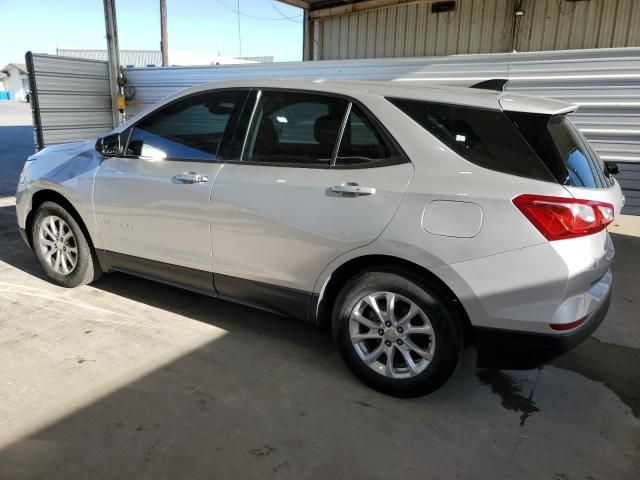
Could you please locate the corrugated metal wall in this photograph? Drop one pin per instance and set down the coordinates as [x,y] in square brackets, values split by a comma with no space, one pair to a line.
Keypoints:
[479,26]
[411,30]
[605,84]
[557,25]
[72,98]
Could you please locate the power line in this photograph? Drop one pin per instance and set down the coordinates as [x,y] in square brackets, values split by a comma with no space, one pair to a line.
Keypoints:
[242,14]
[283,15]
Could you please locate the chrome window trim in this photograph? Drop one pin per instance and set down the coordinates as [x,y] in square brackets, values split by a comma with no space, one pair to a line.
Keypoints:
[343,126]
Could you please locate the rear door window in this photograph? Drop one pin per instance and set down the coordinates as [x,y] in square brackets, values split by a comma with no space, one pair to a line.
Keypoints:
[362,143]
[482,136]
[295,128]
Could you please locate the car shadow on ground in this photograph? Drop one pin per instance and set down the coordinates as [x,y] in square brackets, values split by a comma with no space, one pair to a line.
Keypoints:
[16,144]
[272,398]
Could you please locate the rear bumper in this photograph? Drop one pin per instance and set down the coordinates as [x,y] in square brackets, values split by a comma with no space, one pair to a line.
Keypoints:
[507,349]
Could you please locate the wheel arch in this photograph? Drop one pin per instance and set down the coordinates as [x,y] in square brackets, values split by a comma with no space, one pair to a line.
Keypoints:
[323,305]
[46,195]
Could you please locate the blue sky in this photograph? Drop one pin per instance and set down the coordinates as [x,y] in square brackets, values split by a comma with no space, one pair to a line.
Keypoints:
[198,26]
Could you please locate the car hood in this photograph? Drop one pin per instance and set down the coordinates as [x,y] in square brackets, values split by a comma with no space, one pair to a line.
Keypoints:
[66,149]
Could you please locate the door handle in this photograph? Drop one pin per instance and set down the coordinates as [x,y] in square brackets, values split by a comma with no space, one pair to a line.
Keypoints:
[191,177]
[352,189]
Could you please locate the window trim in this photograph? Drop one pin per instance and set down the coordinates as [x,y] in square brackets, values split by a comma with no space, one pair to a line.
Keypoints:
[343,127]
[131,127]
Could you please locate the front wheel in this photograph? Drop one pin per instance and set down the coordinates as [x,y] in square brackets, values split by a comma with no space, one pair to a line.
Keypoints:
[396,333]
[61,247]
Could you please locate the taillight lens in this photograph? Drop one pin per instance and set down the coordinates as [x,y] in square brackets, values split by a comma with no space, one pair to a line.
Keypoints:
[558,218]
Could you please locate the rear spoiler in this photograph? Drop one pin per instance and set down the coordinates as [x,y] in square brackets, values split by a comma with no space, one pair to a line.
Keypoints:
[496,84]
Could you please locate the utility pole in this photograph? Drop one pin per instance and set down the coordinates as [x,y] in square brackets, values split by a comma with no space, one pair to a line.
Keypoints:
[111,29]
[164,43]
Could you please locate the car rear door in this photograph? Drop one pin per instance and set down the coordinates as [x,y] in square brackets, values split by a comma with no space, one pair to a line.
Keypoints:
[294,200]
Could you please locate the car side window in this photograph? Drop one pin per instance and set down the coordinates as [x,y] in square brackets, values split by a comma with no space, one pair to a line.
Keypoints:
[482,136]
[361,143]
[294,128]
[190,129]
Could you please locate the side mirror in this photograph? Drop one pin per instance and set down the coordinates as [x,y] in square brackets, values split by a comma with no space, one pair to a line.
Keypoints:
[110,145]
[612,168]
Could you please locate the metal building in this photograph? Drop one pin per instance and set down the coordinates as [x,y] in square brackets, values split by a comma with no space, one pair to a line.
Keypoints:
[339,29]
[128,58]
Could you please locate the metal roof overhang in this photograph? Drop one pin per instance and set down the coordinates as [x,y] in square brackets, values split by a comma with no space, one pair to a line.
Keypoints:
[330,8]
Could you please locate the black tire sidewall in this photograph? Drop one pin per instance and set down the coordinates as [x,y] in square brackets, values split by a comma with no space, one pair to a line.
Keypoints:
[85,266]
[427,296]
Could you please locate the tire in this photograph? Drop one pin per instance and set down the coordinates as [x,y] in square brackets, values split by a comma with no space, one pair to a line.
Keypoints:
[438,352]
[77,255]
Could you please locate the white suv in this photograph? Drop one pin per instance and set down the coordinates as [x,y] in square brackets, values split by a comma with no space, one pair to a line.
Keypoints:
[412,221]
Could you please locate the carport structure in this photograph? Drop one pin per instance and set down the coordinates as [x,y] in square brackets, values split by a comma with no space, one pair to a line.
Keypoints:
[349,29]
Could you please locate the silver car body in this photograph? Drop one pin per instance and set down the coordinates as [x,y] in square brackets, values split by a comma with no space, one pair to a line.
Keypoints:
[281,227]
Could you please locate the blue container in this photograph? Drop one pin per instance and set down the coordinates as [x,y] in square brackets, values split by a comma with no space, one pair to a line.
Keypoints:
[4,95]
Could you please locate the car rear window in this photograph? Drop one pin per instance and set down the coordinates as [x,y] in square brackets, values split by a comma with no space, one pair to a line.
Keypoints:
[482,136]
[563,149]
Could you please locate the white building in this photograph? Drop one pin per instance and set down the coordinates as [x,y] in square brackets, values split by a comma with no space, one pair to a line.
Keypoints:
[16,80]
[153,58]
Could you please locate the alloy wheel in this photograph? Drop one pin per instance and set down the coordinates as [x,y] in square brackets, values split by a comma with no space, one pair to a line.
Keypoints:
[392,335]
[58,245]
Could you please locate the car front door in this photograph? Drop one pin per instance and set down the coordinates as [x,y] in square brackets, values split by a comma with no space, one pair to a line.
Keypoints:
[152,203]
[296,200]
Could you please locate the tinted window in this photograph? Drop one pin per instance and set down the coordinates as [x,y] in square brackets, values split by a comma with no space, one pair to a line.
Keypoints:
[192,128]
[361,143]
[296,128]
[485,137]
[584,167]
[565,151]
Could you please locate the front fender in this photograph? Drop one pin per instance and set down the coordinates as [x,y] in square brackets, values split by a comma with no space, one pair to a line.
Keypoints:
[69,173]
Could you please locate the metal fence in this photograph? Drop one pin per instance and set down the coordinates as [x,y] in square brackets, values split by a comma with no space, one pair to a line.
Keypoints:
[70,98]
[605,83]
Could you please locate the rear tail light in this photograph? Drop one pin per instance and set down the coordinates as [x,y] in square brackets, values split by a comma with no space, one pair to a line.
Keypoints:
[558,218]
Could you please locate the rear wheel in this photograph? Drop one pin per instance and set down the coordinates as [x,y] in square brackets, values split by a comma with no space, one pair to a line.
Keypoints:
[396,333]
[62,248]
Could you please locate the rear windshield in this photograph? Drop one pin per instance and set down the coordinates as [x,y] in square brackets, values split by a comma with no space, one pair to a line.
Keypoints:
[485,137]
[563,149]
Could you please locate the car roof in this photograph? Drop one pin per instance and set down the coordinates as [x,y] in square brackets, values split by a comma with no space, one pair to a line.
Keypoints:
[418,90]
